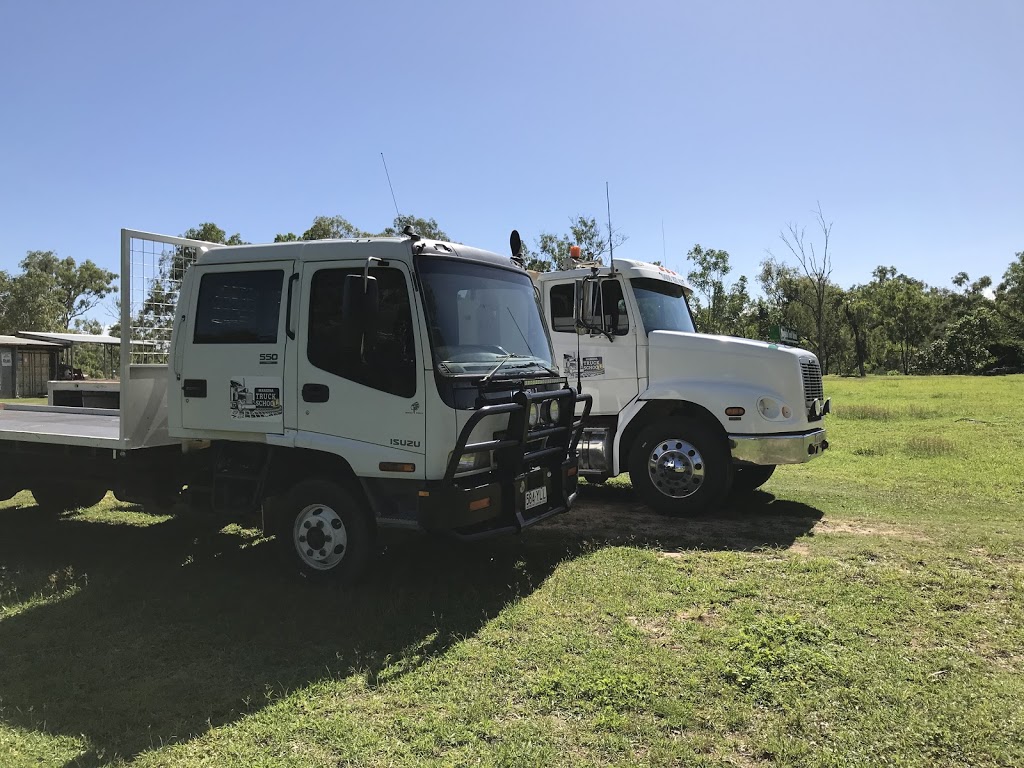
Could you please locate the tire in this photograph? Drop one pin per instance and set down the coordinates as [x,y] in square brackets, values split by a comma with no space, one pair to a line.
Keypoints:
[326,531]
[680,467]
[749,478]
[61,497]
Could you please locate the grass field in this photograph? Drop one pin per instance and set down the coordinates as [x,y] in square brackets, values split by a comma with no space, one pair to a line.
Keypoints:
[25,400]
[865,609]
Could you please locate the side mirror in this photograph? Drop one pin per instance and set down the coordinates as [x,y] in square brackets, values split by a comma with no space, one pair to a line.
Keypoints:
[360,308]
[581,327]
[589,305]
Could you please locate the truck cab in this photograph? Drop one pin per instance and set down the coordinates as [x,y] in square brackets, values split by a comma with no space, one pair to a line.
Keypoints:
[690,416]
[372,382]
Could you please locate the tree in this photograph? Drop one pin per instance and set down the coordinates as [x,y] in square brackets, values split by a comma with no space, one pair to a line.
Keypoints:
[583,231]
[859,310]
[338,227]
[816,265]
[965,345]
[720,308]
[51,292]
[211,233]
[331,228]
[427,228]
[533,261]
[1009,299]
[904,310]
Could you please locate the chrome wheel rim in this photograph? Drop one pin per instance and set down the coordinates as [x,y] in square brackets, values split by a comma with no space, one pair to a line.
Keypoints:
[676,468]
[320,537]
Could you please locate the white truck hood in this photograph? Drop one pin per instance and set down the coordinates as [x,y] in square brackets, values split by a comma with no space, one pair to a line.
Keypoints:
[720,372]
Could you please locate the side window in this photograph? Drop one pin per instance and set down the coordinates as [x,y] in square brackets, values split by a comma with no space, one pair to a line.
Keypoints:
[239,307]
[562,310]
[608,306]
[388,364]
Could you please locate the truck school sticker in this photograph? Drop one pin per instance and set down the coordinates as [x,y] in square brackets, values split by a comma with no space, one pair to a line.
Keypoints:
[592,366]
[255,397]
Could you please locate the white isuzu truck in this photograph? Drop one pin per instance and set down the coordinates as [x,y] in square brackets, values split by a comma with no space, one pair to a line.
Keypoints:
[690,416]
[332,386]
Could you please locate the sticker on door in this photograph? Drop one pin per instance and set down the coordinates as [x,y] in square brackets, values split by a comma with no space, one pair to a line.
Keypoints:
[592,366]
[255,397]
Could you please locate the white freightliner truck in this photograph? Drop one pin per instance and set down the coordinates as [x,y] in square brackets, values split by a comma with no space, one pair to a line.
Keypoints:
[333,386]
[690,416]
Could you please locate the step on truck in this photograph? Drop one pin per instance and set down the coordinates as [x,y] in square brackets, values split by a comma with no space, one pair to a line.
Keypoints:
[691,417]
[330,387]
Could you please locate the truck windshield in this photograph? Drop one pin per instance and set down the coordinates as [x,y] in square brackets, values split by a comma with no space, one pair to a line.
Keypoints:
[662,305]
[482,316]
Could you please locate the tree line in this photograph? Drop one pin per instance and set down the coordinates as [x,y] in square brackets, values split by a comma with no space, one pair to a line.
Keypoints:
[892,323]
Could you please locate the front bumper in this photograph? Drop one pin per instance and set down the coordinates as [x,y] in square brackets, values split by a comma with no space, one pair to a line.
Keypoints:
[778,449]
[524,459]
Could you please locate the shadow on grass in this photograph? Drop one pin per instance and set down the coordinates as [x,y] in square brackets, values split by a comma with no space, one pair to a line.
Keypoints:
[173,632]
[612,514]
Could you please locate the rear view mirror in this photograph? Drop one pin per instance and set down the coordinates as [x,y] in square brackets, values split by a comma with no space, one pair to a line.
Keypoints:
[581,327]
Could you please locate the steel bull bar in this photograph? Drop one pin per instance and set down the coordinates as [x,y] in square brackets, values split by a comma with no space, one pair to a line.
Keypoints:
[541,462]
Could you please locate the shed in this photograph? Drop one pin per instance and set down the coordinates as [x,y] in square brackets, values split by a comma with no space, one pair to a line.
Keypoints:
[26,365]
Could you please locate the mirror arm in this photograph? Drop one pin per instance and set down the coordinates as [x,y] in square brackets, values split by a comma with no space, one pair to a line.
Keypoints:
[366,270]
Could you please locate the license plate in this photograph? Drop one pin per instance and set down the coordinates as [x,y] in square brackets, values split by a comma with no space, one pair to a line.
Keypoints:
[536,497]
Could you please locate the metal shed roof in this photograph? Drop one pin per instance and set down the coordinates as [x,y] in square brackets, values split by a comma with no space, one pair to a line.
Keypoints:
[70,338]
[17,341]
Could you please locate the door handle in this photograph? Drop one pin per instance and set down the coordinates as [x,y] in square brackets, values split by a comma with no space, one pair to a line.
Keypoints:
[288,310]
[316,393]
[194,387]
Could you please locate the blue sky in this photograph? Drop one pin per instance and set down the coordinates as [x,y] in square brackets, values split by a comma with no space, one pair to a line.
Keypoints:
[722,120]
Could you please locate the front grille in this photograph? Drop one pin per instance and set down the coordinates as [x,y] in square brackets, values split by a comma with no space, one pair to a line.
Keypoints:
[812,380]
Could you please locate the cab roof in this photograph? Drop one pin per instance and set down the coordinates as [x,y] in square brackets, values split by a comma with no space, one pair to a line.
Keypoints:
[398,248]
[628,267]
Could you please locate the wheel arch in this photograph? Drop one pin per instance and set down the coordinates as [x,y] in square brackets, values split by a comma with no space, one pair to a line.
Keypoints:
[292,466]
[654,411]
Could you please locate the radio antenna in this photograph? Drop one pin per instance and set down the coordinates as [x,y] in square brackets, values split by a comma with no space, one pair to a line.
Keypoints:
[664,256]
[397,214]
[611,245]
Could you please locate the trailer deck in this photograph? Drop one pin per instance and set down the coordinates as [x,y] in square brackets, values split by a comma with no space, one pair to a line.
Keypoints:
[91,427]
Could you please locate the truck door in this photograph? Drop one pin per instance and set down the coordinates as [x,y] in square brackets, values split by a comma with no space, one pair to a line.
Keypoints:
[608,365]
[369,392]
[233,365]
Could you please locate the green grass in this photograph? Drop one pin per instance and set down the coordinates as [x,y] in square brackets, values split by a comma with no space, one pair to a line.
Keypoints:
[25,400]
[866,609]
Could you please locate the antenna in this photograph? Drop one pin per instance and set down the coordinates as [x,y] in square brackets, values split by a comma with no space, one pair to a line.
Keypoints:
[664,258]
[611,245]
[397,214]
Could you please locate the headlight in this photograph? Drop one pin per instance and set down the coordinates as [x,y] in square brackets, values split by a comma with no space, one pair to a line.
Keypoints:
[772,409]
[553,412]
[471,461]
[534,415]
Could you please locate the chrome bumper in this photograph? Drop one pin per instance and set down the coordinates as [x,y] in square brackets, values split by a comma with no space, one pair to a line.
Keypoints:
[777,449]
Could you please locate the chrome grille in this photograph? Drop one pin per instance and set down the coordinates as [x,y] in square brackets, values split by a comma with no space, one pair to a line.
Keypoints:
[812,381]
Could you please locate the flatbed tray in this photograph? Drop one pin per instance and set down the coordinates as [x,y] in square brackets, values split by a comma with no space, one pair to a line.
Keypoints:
[95,427]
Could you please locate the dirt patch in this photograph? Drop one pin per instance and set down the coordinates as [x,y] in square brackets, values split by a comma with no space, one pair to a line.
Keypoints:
[658,629]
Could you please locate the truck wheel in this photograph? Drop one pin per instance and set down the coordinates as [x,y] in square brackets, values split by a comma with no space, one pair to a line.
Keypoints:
[680,467]
[57,498]
[749,478]
[327,531]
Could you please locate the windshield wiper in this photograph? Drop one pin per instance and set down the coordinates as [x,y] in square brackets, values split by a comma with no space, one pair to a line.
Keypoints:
[501,362]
